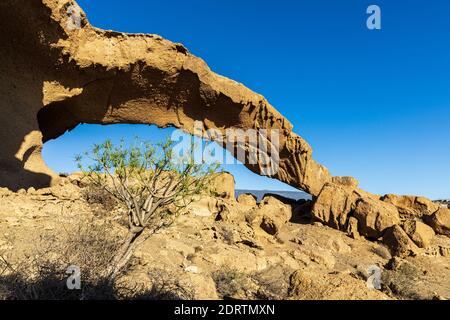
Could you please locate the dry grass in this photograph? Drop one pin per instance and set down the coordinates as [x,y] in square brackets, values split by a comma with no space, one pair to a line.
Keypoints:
[90,244]
[100,200]
[42,274]
[230,282]
[401,282]
[166,286]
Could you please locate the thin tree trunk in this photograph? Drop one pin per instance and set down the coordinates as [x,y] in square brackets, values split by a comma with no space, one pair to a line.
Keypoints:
[123,255]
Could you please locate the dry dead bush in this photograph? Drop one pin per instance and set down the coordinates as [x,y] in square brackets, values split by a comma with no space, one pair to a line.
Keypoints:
[271,283]
[165,286]
[101,201]
[90,245]
[231,283]
[401,281]
[42,272]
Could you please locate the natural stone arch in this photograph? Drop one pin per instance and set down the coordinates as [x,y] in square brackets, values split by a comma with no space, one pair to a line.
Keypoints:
[53,77]
[57,77]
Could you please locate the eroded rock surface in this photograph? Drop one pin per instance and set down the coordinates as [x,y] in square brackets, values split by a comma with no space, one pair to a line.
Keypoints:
[54,76]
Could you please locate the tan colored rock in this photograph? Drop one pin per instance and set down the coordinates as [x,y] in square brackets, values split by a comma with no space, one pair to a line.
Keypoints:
[323,257]
[270,218]
[398,242]
[411,206]
[272,200]
[55,75]
[78,179]
[375,217]
[348,182]
[419,232]
[352,228]
[299,283]
[339,245]
[247,199]
[222,185]
[440,221]
[333,205]
[204,206]
[444,251]
[5,192]
[203,286]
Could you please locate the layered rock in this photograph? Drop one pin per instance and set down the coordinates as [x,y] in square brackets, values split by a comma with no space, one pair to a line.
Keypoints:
[56,75]
[411,206]
[400,221]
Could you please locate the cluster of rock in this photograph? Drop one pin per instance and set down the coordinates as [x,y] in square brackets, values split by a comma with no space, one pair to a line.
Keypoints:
[403,223]
[275,239]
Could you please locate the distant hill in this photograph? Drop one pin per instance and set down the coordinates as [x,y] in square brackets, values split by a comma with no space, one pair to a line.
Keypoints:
[296,195]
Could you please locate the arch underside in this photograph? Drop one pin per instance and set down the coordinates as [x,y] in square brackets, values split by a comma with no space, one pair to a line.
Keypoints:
[64,76]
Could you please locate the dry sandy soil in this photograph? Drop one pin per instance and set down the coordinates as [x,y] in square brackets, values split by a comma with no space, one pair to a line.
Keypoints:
[221,248]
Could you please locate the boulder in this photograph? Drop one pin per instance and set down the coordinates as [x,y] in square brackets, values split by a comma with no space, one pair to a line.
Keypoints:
[222,185]
[400,245]
[440,221]
[273,198]
[270,218]
[203,286]
[247,199]
[411,206]
[374,217]
[204,206]
[56,75]
[419,232]
[333,205]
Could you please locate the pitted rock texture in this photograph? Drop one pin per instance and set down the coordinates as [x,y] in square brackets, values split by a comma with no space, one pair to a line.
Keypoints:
[55,77]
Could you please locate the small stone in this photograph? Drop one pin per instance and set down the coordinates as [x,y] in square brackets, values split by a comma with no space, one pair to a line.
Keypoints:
[31,190]
[340,246]
[299,283]
[192,269]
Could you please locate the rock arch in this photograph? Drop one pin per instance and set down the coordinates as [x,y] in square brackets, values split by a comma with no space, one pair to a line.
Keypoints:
[57,77]
[54,77]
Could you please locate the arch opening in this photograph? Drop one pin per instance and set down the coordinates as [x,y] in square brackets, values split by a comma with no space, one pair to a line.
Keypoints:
[59,153]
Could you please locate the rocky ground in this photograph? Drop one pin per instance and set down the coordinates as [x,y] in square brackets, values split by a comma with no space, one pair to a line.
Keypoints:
[227,248]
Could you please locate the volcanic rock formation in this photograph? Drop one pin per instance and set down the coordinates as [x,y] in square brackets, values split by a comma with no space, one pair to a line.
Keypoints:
[55,76]
[57,71]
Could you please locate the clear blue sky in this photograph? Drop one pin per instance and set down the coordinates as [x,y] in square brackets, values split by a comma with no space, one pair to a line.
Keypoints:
[373,104]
